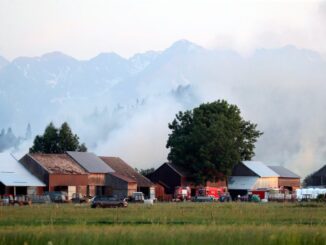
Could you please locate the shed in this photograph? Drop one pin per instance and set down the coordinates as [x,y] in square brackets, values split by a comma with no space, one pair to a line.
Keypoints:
[97,171]
[287,179]
[120,185]
[123,169]
[58,171]
[15,178]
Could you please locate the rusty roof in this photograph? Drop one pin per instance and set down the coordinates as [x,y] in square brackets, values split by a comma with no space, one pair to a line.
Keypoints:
[57,163]
[122,168]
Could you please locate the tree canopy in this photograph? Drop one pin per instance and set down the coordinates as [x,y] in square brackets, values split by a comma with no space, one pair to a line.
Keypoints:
[210,139]
[57,140]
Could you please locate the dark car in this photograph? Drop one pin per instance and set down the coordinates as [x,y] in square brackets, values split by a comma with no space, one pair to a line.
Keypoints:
[108,202]
[78,198]
[57,196]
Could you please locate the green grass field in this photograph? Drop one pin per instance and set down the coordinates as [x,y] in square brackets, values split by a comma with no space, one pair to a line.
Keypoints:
[166,223]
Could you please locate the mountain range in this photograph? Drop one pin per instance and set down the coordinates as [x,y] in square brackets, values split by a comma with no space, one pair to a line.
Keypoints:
[122,106]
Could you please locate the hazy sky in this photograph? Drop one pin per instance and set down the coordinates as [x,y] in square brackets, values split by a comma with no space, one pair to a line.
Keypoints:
[85,28]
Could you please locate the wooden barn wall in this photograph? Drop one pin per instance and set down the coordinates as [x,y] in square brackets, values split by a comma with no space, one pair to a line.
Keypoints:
[68,180]
[96,179]
[166,177]
[132,187]
[266,182]
[294,182]
[36,169]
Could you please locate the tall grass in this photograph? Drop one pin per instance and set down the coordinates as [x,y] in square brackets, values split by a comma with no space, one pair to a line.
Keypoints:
[171,223]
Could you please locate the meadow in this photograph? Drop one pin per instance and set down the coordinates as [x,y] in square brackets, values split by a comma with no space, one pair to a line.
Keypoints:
[165,223]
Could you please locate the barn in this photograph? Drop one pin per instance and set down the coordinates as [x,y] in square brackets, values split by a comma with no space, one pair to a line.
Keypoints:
[287,179]
[170,176]
[318,178]
[251,175]
[15,179]
[97,171]
[137,182]
[58,171]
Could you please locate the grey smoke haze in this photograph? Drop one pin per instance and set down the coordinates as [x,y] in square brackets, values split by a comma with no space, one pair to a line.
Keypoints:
[122,106]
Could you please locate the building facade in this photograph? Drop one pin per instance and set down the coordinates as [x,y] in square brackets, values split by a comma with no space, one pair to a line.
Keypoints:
[58,171]
[97,171]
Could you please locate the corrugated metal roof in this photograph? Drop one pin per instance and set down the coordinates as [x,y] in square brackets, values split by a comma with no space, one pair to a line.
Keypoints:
[284,172]
[242,182]
[90,162]
[260,169]
[13,173]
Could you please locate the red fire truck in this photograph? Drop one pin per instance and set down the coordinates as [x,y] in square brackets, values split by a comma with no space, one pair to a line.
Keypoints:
[213,192]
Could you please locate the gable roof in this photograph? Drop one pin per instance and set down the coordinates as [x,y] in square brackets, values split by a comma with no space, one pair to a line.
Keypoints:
[122,168]
[242,182]
[283,172]
[57,163]
[320,172]
[179,170]
[122,177]
[90,162]
[260,169]
[13,173]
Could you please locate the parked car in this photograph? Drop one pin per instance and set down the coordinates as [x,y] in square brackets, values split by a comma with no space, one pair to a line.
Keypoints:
[137,197]
[78,198]
[40,198]
[107,202]
[225,197]
[58,196]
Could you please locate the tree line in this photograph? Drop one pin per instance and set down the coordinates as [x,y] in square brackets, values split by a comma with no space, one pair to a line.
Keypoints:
[8,138]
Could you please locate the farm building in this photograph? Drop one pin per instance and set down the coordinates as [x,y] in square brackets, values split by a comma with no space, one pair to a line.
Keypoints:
[318,178]
[251,175]
[15,179]
[120,185]
[287,179]
[58,171]
[97,171]
[170,176]
[137,182]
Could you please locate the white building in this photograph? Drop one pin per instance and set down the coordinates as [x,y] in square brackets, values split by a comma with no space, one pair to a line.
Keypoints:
[15,178]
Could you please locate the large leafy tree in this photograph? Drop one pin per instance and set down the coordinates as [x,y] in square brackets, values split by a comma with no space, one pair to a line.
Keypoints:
[210,139]
[56,140]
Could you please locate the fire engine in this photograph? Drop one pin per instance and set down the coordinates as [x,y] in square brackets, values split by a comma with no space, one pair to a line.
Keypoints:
[213,192]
